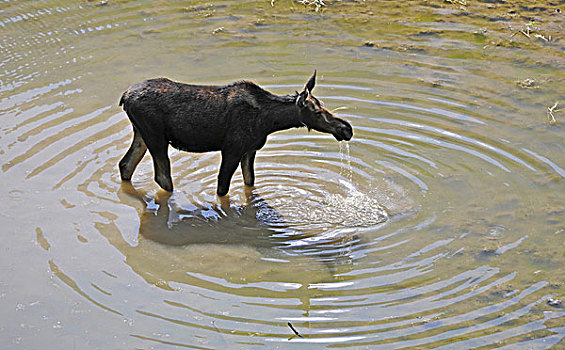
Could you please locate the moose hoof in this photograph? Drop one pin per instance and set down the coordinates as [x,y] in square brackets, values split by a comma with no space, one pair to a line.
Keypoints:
[125,174]
[168,188]
[166,184]
[222,192]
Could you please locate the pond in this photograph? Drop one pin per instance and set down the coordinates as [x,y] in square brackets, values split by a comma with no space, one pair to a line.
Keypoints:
[441,224]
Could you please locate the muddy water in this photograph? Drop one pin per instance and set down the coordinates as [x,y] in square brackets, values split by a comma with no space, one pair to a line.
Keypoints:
[440,225]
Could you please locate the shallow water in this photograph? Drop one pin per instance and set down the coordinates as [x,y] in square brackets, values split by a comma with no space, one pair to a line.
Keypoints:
[440,225]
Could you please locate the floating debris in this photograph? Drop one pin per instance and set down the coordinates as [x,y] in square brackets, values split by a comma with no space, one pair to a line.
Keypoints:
[528,83]
[550,113]
[554,302]
[318,4]
[528,32]
[219,30]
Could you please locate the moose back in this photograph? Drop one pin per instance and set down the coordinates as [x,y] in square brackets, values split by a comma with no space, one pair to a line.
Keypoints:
[234,119]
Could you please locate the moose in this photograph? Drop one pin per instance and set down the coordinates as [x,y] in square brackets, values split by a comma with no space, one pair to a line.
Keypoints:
[234,119]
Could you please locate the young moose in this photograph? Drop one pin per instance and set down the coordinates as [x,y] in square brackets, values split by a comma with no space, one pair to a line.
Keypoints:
[234,119]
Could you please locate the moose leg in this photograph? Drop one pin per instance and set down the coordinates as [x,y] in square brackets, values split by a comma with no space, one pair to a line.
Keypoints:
[133,156]
[161,164]
[227,168]
[247,162]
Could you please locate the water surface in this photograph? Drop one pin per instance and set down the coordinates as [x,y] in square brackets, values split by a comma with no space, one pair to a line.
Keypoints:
[440,225]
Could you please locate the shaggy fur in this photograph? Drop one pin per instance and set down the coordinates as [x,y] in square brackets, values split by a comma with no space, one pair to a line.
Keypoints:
[234,119]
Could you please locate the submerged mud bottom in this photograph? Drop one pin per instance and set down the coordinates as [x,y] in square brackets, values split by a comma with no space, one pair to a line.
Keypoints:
[439,225]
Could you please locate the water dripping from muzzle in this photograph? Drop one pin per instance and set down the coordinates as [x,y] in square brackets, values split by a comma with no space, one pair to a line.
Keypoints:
[359,208]
[345,159]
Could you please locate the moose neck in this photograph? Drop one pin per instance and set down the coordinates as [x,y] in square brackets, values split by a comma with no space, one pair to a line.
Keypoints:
[283,114]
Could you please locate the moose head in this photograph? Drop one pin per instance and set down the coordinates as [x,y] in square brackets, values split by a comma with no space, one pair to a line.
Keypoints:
[315,116]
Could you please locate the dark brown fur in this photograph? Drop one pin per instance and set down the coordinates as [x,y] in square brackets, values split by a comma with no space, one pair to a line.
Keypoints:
[234,119]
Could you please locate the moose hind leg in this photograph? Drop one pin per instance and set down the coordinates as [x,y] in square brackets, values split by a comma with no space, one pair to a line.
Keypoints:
[247,168]
[227,168]
[161,163]
[132,157]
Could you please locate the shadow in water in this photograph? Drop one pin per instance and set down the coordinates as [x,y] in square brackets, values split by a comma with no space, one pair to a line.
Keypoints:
[236,242]
[178,224]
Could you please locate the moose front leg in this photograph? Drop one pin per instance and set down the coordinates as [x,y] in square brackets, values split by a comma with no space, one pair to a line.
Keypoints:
[227,168]
[247,168]
[161,164]
[162,167]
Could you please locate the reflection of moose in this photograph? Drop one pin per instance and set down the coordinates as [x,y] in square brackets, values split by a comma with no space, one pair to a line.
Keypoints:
[233,119]
[253,226]
[206,223]
[178,241]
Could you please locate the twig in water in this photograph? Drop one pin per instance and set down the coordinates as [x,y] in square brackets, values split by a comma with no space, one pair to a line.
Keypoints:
[528,29]
[528,32]
[294,330]
[539,36]
[550,111]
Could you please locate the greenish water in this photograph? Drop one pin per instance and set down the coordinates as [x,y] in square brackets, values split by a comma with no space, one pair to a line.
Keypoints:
[440,225]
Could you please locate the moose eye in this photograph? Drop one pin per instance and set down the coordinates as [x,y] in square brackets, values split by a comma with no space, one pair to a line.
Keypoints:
[312,108]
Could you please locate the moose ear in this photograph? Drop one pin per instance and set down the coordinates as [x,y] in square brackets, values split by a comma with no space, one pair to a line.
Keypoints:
[301,98]
[311,82]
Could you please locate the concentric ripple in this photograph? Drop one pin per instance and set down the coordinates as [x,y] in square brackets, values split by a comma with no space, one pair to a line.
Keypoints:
[439,225]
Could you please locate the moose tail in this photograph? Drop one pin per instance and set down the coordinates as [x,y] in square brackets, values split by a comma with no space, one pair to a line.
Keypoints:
[123,99]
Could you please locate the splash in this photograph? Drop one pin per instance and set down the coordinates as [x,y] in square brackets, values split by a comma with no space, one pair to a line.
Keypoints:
[356,208]
[336,207]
